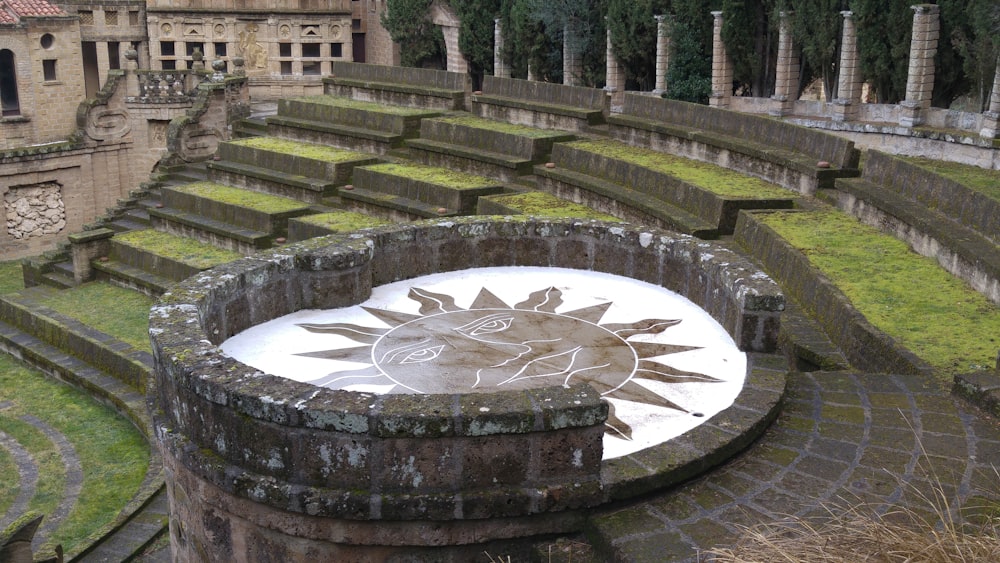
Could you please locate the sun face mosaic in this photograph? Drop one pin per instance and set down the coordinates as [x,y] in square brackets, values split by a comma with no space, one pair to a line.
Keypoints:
[662,363]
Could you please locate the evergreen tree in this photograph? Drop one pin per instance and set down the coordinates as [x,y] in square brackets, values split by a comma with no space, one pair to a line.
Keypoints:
[971,29]
[689,77]
[816,28]
[751,42]
[475,33]
[408,23]
[884,29]
[633,38]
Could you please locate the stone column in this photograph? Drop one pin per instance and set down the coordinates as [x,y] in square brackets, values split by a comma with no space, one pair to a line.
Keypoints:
[722,67]
[614,83]
[662,54]
[845,106]
[991,118]
[131,72]
[572,63]
[920,78]
[456,61]
[786,84]
[103,62]
[500,69]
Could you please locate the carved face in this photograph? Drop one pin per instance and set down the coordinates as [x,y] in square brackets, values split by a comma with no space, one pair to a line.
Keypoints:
[496,349]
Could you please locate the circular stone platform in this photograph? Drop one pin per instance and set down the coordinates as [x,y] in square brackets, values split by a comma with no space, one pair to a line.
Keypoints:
[412,456]
[661,361]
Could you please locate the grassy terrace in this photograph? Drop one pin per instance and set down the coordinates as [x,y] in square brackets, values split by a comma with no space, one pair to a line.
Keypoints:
[90,303]
[304,150]
[709,177]
[907,296]
[365,106]
[113,455]
[542,204]
[501,127]
[241,197]
[433,175]
[188,251]
[981,180]
[343,221]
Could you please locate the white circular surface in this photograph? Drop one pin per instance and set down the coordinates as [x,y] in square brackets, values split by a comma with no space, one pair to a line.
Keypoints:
[700,381]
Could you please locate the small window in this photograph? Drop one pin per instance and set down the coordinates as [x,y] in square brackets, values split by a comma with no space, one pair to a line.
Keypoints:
[310,50]
[8,84]
[167,48]
[114,55]
[286,67]
[220,49]
[47,41]
[284,50]
[336,49]
[169,65]
[86,17]
[111,17]
[133,17]
[356,24]
[311,68]
[49,69]
[190,48]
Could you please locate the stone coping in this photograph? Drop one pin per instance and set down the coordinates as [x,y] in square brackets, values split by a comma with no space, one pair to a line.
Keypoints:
[261,437]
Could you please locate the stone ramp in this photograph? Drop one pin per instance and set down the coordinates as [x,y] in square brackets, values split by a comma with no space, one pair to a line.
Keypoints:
[842,437]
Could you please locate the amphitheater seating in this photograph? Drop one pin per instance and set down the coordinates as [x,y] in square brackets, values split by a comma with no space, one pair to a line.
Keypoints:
[404,86]
[540,104]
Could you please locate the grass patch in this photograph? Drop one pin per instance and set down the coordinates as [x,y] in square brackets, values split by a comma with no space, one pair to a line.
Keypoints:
[10,277]
[433,175]
[343,221]
[9,482]
[304,150]
[113,454]
[708,177]
[188,251]
[502,127]
[90,303]
[365,106]
[975,178]
[542,204]
[243,198]
[909,297]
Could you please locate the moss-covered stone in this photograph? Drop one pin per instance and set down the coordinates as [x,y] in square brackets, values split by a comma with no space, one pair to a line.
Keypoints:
[433,175]
[343,221]
[189,251]
[241,197]
[304,150]
[543,204]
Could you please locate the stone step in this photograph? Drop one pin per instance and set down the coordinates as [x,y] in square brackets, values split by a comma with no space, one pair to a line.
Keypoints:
[805,344]
[516,141]
[470,160]
[131,277]
[537,204]
[384,118]
[125,224]
[58,280]
[334,134]
[454,192]
[622,201]
[163,255]
[390,207]
[330,222]
[294,158]
[216,233]
[265,180]
[244,209]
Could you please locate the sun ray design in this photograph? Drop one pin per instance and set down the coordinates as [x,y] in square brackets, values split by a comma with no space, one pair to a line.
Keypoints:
[492,346]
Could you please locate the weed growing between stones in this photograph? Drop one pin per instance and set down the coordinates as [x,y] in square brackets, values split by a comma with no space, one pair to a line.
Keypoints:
[931,531]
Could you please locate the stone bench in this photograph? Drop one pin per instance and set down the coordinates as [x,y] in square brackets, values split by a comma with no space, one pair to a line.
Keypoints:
[783,153]
[936,216]
[403,86]
[540,104]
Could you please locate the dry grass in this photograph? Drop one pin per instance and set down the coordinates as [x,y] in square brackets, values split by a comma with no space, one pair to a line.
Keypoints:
[932,530]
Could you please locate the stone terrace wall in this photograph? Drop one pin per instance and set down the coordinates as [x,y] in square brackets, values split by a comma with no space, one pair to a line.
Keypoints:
[401,74]
[547,93]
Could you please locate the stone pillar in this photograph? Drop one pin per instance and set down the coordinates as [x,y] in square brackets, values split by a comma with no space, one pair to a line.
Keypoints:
[572,62]
[86,246]
[845,106]
[456,61]
[722,67]
[991,118]
[131,73]
[786,84]
[662,54]
[614,83]
[500,69]
[920,78]
[103,62]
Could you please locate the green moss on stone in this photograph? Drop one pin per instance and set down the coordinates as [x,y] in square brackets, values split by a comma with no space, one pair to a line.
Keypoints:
[981,180]
[709,177]
[305,150]
[344,221]
[90,303]
[907,296]
[542,204]
[433,175]
[188,251]
[365,106]
[242,197]
[501,127]
[11,278]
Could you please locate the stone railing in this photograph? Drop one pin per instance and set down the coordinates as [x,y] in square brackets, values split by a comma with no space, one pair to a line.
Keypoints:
[167,86]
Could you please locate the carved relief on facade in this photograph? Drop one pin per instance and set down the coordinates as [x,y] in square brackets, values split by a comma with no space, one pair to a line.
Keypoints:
[105,124]
[252,51]
[34,210]
[199,143]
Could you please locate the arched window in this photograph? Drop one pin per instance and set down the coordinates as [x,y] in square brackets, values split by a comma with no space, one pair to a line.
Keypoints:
[8,84]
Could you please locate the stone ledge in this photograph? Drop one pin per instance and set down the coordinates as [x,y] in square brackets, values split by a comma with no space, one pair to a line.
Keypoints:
[981,389]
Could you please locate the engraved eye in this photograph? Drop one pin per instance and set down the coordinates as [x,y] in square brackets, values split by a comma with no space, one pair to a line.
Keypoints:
[422,355]
[487,325]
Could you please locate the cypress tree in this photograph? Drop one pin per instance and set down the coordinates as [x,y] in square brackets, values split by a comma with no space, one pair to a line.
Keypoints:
[408,23]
